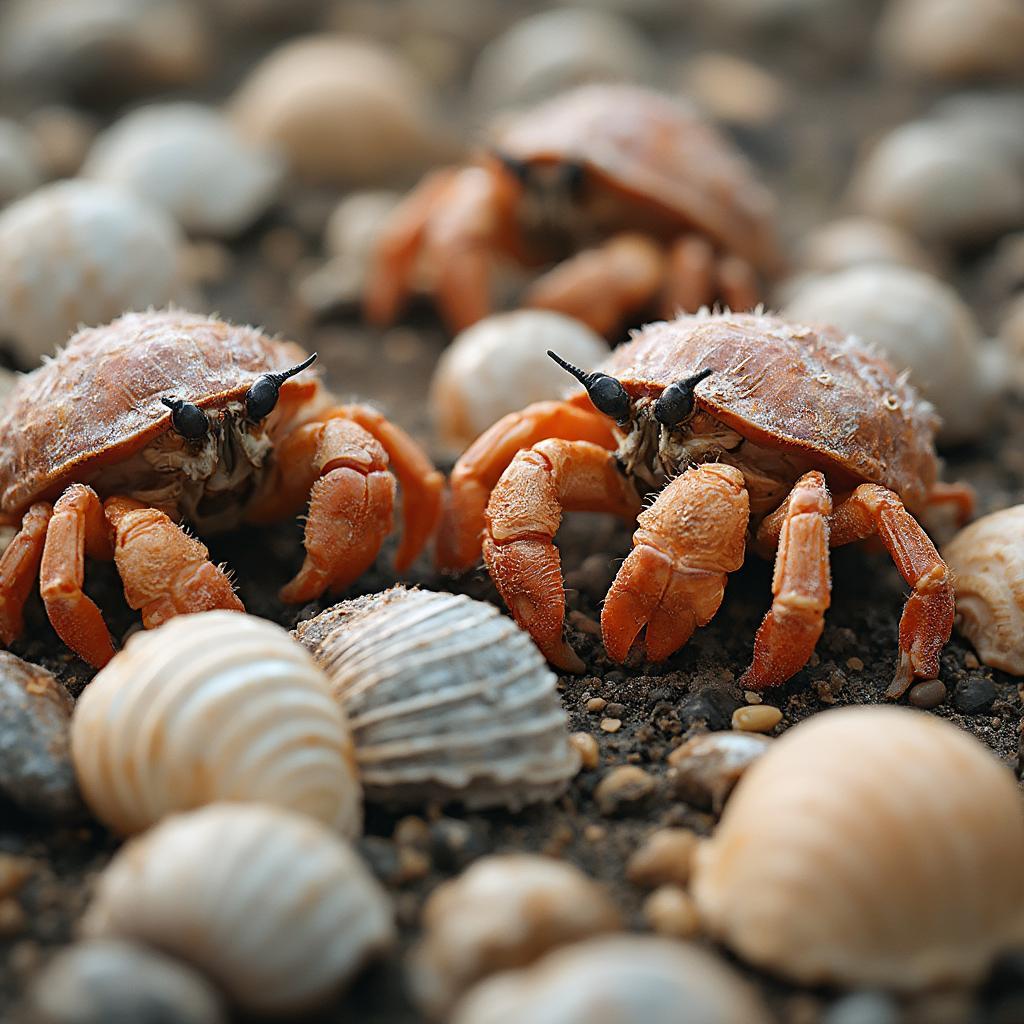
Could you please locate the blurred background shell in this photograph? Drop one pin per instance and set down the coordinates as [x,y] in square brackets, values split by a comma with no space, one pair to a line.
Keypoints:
[988,559]
[554,50]
[187,159]
[19,167]
[81,252]
[214,706]
[620,979]
[500,365]
[342,110]
[108,981]
[274,907]
[870,846]
[853,241]
[921,325]
[503,912]
[447,699]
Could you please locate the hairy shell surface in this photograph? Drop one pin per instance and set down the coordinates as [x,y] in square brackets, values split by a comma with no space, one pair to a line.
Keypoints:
[274,907]
[215,706]
[870,846]
[447,699]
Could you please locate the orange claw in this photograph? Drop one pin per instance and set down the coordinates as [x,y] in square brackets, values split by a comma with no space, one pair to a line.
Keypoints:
[165,572]
[522,518]
[483,462]
[674,578]
[77,528]
[19,570]
[801,586]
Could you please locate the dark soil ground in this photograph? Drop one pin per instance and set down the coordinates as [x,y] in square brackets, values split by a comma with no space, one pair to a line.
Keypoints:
[807,158]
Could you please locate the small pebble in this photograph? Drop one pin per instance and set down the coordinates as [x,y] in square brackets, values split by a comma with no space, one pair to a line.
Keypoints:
[670,911]
[595,833]
[616,710]
[756,718]
[663,859]
[412,831]
[971,661]
[855,664]
[413,865]
[14,871]
[927,695]
[974,694]
[705,768]
[12,918]
[752,697]
[622,789]
[611,724]
[596,705]
[586,746]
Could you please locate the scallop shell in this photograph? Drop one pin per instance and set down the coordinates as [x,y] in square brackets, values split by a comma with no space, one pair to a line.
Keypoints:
[79,252]
[921,324]
[187,159]
[870,846]
[988,560]
[19,169]
[342,110]
[503,912]
[500,364]
[447,700]
[621,979]
[274,907]
[107,981]
[214,706]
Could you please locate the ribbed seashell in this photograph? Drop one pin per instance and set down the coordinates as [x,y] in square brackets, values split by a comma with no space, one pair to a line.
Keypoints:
[109,981]
[922,326]
[870,846]
[619,979]
[447,699]
[500,364]
[341,109]
[555,50]
[273,906]
[502,912]
[80,252]
[188,160]
[988,560]
[214,706]
[19,168]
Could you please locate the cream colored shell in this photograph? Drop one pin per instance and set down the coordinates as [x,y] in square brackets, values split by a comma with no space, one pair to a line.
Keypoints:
[922,326]
[447,699]
[19,167]
[620,979]
[503,912]
[341,109]
[870,846]
[188,160]
[214,706]
[988,560]
[500,365]
[80,252]
[853,241]
[273,906]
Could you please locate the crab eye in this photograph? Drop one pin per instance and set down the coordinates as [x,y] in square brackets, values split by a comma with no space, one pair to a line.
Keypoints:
[187,419]
[263,393]
[675,404]
[607,394]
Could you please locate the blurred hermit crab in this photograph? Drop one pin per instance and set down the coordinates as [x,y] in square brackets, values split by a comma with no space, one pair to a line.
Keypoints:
[164,418]
[731,423]
[645,202]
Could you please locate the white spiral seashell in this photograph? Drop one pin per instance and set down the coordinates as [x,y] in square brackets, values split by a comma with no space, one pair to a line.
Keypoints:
[272,906]
[621,979]
[446,699]
[215,706]
[870,846]
[187,159]
[987,559]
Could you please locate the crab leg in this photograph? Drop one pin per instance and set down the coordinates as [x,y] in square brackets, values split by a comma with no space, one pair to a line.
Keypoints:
[690,277]
[483,462]
[602,286]
[522,518]
[19,569]
[674,578]
[76,529]
[801,585]
[927,619]
[165,572]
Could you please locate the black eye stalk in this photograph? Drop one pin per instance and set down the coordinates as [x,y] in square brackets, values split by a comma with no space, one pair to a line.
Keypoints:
[262,396]
[187,419]
[607,394]
[676,402]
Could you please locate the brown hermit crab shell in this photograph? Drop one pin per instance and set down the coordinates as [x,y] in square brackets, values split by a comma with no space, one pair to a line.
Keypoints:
[97,401]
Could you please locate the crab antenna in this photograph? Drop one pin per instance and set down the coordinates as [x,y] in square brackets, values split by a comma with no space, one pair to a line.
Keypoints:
[283,375]
[586,379]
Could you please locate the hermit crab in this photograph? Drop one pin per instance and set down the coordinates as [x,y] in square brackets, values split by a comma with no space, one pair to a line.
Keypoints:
[166,418]
[645,202]
[732,424]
